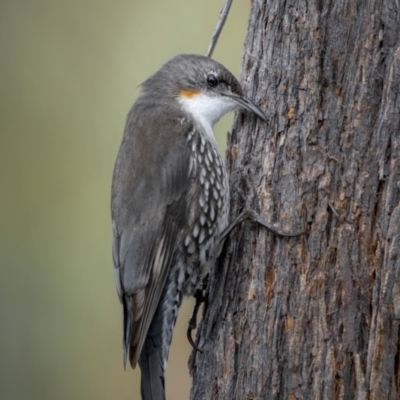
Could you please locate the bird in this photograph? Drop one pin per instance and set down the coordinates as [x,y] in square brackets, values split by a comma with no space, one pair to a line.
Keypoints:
[169,203]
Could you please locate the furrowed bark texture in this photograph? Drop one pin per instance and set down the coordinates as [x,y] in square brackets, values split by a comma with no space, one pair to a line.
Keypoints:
[314,317]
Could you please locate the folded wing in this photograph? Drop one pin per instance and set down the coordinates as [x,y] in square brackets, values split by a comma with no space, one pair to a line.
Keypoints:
[150,184]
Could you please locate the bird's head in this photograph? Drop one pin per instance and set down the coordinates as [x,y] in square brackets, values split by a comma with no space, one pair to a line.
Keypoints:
[202,87]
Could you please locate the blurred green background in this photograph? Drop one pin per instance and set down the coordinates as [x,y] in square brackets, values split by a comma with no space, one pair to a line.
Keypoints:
[69,72]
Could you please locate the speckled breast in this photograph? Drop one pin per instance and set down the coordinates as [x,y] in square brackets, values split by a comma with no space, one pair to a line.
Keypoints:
[208,201]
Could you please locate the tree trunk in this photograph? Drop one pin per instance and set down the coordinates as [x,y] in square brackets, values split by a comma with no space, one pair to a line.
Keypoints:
[313,317]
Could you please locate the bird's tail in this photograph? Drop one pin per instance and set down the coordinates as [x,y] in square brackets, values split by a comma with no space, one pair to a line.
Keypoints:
[151,361]
[154,355]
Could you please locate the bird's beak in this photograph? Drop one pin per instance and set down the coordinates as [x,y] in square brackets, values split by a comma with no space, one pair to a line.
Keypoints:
[244,102]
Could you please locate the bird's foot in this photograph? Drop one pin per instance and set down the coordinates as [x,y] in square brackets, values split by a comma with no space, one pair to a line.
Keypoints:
[200,298]
[250,215]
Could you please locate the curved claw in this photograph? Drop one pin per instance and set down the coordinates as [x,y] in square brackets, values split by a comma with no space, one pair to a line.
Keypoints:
[190,339]
[199,296]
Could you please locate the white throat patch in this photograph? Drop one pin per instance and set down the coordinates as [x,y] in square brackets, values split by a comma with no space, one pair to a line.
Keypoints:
[206,110]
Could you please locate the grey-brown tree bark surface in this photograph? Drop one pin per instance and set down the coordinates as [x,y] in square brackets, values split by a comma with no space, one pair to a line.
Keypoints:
[313,317]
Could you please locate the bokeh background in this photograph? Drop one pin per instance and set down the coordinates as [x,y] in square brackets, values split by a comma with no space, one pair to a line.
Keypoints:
[69,72]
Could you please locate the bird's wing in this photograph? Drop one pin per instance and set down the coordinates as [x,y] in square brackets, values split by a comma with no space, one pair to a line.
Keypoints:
[150,184]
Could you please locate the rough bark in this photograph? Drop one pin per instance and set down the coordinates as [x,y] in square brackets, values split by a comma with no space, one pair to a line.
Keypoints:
[315,317]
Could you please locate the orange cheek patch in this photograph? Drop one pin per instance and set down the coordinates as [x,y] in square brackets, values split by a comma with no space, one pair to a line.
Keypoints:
[189,93]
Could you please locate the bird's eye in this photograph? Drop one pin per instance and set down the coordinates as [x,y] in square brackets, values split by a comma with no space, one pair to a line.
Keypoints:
[212,80]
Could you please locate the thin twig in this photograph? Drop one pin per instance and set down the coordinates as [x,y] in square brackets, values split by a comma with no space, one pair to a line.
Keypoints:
[220,24]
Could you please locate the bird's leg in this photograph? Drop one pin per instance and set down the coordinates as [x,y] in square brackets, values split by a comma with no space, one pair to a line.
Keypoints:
[250,215]
[200,298]
[247,192]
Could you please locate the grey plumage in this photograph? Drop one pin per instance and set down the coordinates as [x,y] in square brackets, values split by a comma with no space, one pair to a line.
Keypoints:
[170,202]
